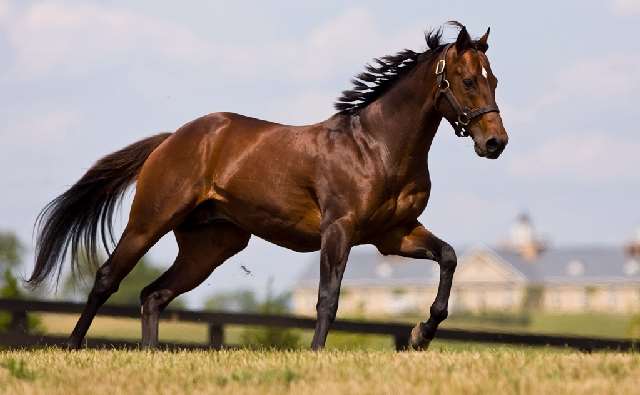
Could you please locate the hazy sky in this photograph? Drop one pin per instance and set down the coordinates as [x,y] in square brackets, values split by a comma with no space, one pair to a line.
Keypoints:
[80,79]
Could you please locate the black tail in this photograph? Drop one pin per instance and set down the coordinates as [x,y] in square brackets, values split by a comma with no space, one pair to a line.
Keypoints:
[77,216]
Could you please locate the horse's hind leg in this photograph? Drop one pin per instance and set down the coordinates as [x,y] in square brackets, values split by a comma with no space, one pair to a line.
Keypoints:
[130,249]
[201,249]
[148,222]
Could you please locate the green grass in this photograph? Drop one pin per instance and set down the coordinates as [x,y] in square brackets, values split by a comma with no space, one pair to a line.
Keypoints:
[125,328]
[353,364]
[585,324]
[486,371]
[598,325]
[179,332]
[18,369]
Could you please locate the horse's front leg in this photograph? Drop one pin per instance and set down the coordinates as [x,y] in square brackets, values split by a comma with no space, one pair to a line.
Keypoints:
[415,241]
[334,252]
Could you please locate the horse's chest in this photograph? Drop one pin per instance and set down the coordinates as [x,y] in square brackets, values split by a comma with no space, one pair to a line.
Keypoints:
[409,205]
[399,208]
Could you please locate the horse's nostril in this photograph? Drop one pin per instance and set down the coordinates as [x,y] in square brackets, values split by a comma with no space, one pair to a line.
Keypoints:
[493,145]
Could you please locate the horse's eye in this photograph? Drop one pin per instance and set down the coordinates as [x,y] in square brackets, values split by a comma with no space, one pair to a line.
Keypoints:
[468,83]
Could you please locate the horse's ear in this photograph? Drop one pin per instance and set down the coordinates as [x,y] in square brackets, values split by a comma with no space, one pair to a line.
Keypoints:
[483,42]
[463,41]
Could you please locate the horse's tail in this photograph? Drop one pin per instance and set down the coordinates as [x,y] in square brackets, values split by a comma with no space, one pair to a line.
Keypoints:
[75,218]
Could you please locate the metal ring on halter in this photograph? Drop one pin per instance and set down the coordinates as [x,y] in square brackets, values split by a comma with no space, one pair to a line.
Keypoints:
[464,119]
[444,85]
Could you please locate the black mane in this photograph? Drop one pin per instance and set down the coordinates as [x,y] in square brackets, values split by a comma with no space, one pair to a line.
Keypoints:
[381,74]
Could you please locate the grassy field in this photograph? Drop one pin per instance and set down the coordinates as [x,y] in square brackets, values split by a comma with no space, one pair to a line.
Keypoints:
[354,364]
[597,325]
[488,371]
[583,324]
[180,332]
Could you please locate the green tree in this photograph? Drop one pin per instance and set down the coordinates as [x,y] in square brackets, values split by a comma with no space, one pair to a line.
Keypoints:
[11,252]
[10,288]
[245,301]
[11,249]
[634,328]
[270,337]
[239,301]
[533,298]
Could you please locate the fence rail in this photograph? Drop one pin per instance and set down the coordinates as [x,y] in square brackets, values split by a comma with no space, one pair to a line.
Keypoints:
[18,336]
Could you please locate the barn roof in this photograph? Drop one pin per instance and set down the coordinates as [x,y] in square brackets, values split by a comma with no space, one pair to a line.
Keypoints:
[367,267]
[576,265]
[569,265]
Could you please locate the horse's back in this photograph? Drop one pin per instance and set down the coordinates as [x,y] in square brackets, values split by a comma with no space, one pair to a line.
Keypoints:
[257,174]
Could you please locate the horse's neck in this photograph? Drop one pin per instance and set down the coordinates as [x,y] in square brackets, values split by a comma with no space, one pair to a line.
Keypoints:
[404,119]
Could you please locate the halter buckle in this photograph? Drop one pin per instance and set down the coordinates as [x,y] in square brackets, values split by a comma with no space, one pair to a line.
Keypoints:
[440,66]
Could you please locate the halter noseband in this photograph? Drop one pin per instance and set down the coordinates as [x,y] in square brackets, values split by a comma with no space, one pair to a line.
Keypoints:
[464,115]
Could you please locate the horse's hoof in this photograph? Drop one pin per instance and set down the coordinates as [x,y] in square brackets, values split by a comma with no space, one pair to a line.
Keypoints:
[417,340]
[149,346]
[71,345]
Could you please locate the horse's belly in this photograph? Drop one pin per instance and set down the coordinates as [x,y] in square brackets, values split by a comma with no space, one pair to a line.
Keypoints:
[293,226]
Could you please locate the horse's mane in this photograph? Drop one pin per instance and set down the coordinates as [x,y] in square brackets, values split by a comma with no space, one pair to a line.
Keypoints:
[382,73]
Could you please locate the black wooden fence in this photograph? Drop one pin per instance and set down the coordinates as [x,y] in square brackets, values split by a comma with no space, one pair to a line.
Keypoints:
[18,335]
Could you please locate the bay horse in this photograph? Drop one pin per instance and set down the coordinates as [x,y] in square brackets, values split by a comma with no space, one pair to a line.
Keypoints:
[359,177]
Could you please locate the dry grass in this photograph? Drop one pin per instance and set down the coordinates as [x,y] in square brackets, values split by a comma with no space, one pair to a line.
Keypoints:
[371,369]
[187,332]
[125,328]
[490,371]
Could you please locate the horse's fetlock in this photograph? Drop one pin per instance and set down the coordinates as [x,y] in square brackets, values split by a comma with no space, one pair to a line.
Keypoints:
[439,311]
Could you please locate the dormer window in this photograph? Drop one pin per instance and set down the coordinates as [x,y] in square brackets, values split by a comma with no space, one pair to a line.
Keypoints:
[384,270]
[632,267]
[575,268]
[633,248]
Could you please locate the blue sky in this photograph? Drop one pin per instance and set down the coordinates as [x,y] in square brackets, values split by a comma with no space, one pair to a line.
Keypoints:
[80,79]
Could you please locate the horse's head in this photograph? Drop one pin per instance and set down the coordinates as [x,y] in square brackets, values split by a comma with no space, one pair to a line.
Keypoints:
[466,93]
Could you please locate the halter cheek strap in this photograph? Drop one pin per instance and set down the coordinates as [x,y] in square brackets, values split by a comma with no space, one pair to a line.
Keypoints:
[464,115]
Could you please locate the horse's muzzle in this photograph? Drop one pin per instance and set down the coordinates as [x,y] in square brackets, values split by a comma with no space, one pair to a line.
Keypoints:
[491,148]
[494,147]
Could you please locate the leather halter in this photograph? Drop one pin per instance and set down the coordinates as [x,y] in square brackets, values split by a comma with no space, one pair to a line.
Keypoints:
[464,115]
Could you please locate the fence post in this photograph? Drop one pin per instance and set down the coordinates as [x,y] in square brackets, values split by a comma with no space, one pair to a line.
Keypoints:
[216,336]
[18,322]
[401,341]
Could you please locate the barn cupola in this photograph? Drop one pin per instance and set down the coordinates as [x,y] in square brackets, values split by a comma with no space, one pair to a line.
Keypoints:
[633,247]
[525,240]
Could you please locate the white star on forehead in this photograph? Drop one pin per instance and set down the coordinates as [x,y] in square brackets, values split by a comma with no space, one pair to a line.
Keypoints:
[484,72]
